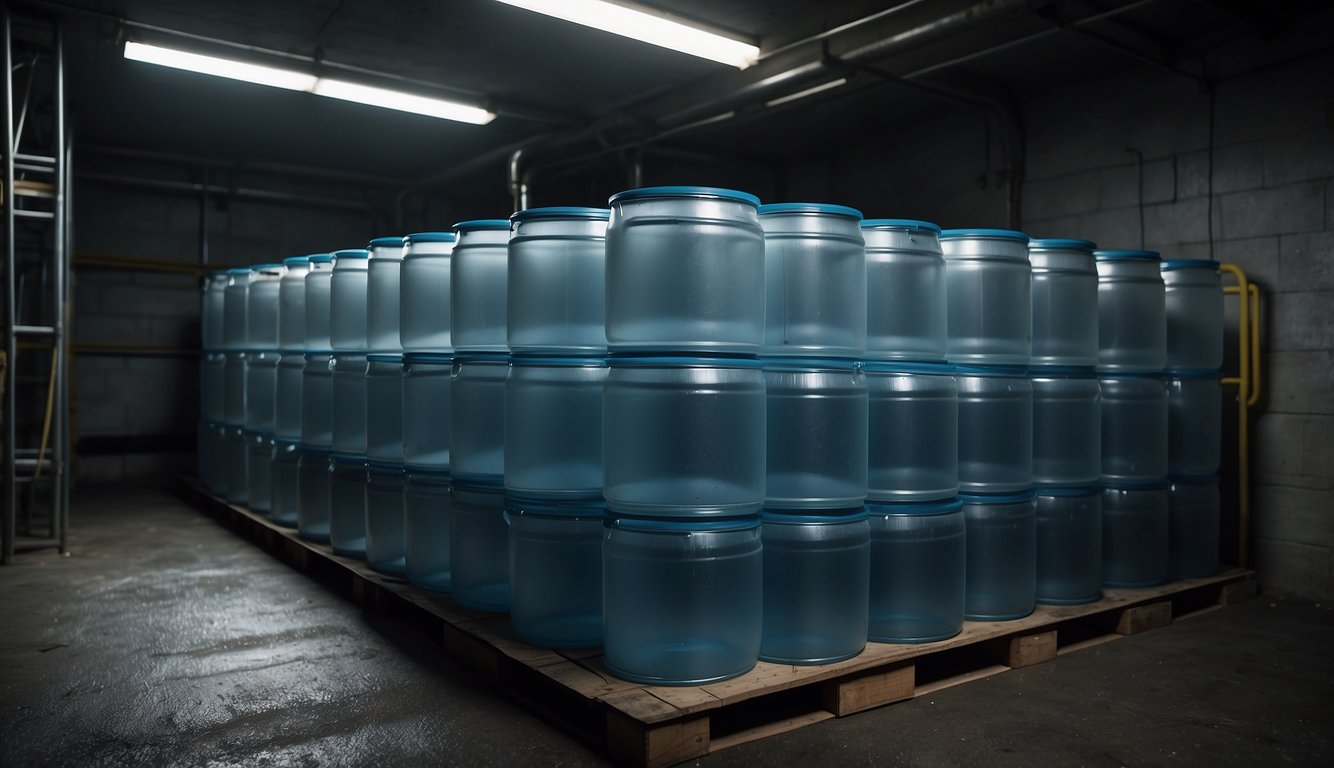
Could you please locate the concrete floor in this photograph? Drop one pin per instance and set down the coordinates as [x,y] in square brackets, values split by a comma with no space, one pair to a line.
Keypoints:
[165,639]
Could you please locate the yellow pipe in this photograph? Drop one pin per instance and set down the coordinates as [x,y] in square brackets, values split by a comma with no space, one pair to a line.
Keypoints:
[1254,387]
[1243,290]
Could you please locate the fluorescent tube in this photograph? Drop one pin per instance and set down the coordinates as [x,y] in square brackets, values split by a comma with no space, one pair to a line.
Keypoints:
[404,102]
[647,28]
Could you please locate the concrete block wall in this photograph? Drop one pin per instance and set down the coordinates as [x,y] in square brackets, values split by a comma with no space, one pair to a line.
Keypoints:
[1273,214]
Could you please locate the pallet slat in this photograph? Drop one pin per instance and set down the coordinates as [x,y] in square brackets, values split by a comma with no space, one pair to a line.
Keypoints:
[658,725]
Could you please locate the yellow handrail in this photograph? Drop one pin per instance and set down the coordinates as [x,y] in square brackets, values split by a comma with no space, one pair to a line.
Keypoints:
[1247,382]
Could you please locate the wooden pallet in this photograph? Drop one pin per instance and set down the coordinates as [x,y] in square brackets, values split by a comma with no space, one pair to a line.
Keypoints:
[655,725]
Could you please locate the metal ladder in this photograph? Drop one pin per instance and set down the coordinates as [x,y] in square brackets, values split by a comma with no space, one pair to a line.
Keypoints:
[36,243]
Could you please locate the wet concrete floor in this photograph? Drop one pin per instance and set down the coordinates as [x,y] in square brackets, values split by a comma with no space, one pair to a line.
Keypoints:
[165,639]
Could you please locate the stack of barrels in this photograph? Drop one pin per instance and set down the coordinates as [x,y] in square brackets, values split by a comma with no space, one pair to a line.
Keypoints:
[701,432]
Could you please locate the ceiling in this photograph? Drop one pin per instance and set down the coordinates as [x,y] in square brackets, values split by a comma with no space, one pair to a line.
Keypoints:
[576,95]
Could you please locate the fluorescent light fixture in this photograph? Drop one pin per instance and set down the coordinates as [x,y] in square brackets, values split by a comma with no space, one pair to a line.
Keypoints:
[301,81]
[647,28]
[211,65]
[808,92]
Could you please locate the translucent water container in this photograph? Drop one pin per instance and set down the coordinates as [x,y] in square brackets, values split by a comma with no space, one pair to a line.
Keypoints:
[426,514]
[1194,422]
[427,385]
[553,428]
[287,396]
[314,479]
[479,286]
[347,300]
[917,571]
[292,304]
[261,375]
[816,582]
[817,434]
[212,402]
[1194,309]
[234,308]
[685,271]
[1001,570]
[555,556]
[1132,314]
[1193,522]
[424,309]
[1069,545]
[1065,302]
[385,518]
[682,599]
[557,295]
[236,456]
[347,505]
[317,304]
[479,555]
[683,436]
[317,401]
[1134,428]
[477,419]
[259,477]
[814,280]
[913,447]
[262,306]
[233,389]
[348,377]
[211,314]
[1067,426]
[906,316]
[1135,535]
[384,407]
[212,457]
[995,429]
[382,294]
[285,483]
[988,283]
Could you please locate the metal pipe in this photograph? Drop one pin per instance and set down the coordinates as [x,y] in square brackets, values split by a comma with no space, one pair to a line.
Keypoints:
[60,258]
[517,183]
[11,349]
[203,219]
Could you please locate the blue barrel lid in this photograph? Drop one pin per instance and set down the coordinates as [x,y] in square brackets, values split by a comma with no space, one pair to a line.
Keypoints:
[1172,264]
[431,237]
[1063,371]
[718,193]
[829,208]
[476,225]
[831,517]
[296,261]
[1008,371]
[384,467]
[562,212]
[286,443]
[809,363]
[936,507]
[680,524]
[563,361]
[321,258]
[1126,255]
[1071,491]
[912,225]
[387,242]
[1103,374]
[238,271]
[317,353]
[486,358]
[998,498]
[316,451]
[349,459]
[348,354]
[897,366]
[1193,479]
[352,253]
[987,234]
[433,475]
[445,358]
[1125,484]
[674,361]
[266,265]
[1062,244]
[1192,373]
[384,357]
[550,508]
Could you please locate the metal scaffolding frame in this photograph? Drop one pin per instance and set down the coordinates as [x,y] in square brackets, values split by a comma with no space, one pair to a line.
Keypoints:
[41,234]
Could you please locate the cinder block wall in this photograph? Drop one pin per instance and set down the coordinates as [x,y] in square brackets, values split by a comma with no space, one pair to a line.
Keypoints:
[1273,214]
